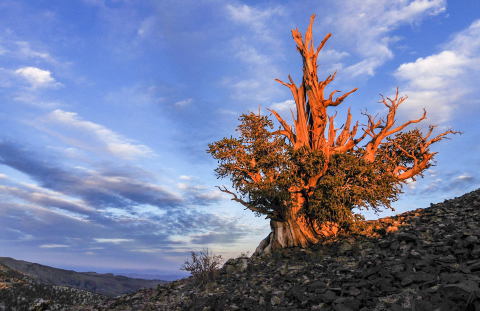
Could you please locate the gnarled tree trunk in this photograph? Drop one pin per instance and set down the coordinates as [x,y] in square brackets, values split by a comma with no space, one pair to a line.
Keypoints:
[294,231]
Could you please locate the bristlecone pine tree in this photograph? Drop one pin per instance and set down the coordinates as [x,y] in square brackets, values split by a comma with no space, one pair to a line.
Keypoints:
[306,179]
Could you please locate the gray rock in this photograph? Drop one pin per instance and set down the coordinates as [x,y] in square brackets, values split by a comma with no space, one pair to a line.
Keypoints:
[463,291]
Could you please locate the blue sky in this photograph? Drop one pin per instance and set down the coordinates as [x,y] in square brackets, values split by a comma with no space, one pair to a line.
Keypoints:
[107,108]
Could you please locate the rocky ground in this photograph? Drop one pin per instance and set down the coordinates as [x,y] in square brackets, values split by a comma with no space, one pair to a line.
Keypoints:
[422,260]
[19,292]
[428,259]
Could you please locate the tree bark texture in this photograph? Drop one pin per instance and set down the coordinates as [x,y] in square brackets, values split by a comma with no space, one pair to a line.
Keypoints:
[293,233]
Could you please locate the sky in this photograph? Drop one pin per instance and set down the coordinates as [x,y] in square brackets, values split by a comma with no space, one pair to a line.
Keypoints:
[107,108]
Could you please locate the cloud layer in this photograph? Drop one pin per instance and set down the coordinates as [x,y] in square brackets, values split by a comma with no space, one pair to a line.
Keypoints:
[440,82]
[106,115]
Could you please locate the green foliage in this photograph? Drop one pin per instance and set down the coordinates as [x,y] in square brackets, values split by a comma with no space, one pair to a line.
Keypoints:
[391,154]
[269,173]
[257,163]
[351,182]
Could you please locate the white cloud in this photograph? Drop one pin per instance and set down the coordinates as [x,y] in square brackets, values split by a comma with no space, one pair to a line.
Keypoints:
[113,241]
[182,186]
[365,67]
[54,246]
[284,106]
[110,141]
[330,55]
[254,18]
[411,184]
[435,71]
[433,185]
[367,23]
[183,103]
[438,82]
[463,177]
[438,104]
[25,50]
[467,41]
[227,112]
[185,177]
[37,77]
[213,196]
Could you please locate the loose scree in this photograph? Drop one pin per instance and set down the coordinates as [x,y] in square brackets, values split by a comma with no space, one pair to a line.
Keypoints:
[307,179]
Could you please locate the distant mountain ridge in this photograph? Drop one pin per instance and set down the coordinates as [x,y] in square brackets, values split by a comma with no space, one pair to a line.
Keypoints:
[105,284]
[143,276]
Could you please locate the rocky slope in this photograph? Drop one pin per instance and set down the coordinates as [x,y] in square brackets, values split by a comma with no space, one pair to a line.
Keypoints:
[19,292]
[421,260]
[105,284]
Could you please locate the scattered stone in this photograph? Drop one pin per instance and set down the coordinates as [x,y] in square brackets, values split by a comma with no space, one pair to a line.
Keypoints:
[275,300]
[430,262]
[464,291]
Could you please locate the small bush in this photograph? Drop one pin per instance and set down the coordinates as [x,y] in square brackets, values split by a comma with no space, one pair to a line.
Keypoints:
[244,254]
[204,267]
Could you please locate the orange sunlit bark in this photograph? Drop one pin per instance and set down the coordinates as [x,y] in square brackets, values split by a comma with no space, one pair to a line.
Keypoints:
[314,130]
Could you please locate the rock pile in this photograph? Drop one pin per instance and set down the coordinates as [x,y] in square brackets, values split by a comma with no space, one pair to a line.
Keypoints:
[421,260]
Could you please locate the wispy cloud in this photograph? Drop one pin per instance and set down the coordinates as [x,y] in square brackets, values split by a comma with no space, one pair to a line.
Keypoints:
[368,24]
[215,238]
[254,18]
[105,139]
[47,200]
[122,201]
[96,188]
[183,103]
[26,51]
[256,48]
[113,241]
[54,246]
[147,26]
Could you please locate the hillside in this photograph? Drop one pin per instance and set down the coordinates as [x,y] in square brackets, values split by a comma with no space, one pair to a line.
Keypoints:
[423,260]
[19,292]
[105,284]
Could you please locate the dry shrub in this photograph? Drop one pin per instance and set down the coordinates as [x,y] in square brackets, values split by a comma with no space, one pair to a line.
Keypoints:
[204,267]
[244,254]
